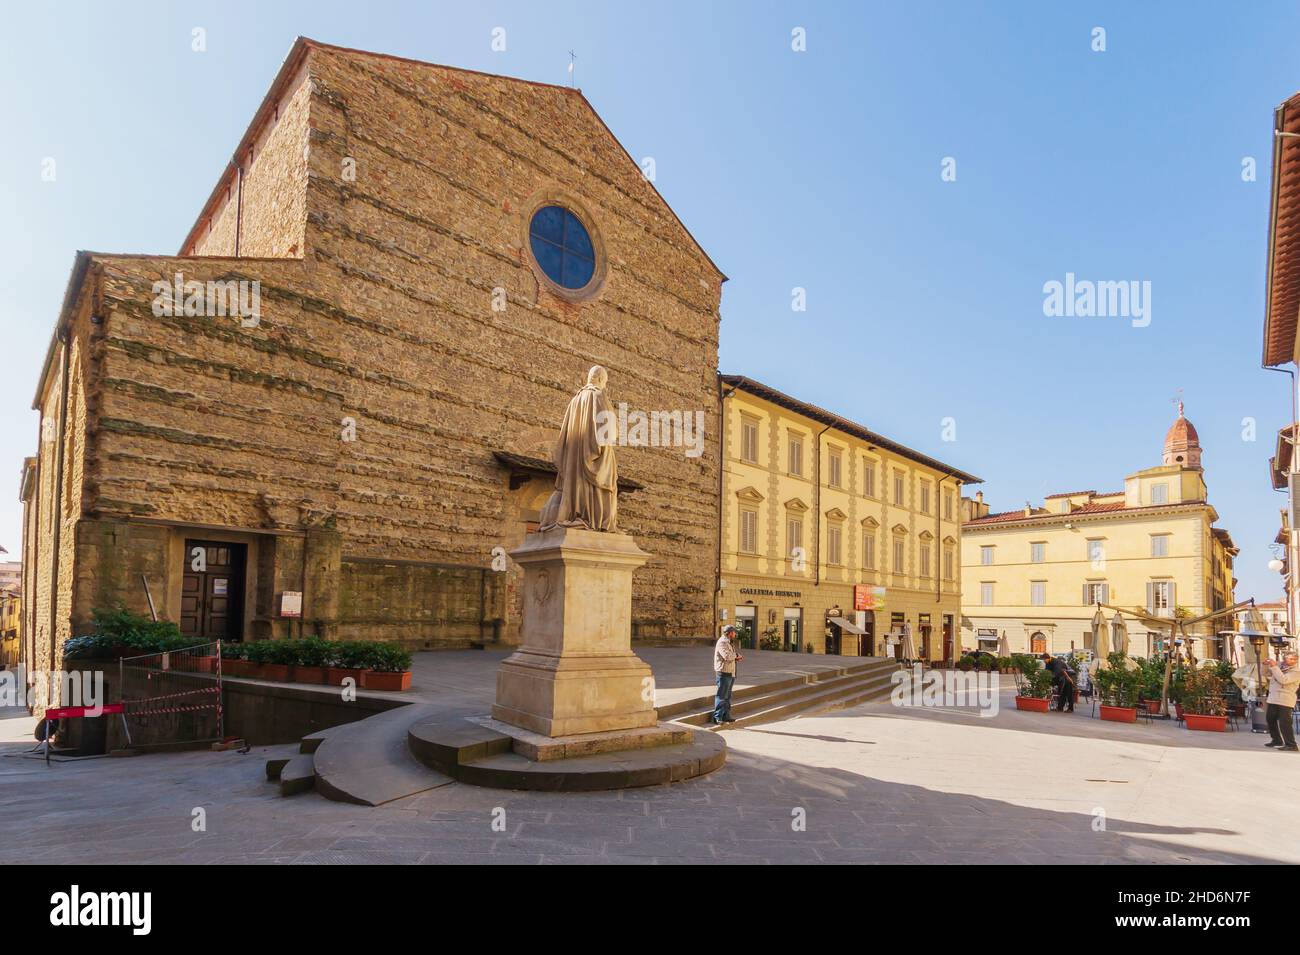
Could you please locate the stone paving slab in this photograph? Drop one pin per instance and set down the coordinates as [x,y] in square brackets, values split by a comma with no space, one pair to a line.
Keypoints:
[872,784]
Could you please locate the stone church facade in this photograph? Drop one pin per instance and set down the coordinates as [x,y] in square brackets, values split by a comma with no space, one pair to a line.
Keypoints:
[380,429]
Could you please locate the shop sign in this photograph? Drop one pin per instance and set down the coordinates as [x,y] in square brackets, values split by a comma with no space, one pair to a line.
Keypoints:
[868,598]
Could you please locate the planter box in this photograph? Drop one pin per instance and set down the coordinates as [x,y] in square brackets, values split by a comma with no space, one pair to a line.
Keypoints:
[1210,724]
[1032,704]
[1119,714]
[334,676]
[235,667]
[279,672]
[1151,706]
[382,680]
[204,664]
[302,674]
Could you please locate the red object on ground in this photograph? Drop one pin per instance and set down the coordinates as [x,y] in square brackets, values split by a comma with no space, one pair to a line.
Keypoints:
[63,712]
[1119,714]
[1210,724]
[1033,704]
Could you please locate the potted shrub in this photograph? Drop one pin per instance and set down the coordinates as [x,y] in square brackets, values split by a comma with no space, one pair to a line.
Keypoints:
[390,668]
[1118,688]
[347,658]
[965,664]
[1034,688]
[1204,705]
[1005,665]
[313,653]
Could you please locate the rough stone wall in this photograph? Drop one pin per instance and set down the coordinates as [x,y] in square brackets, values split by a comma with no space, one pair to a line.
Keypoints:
[446,163]
[387,326]
[270,215]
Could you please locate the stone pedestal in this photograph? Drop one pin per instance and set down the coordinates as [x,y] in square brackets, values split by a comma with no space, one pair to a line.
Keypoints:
[575,671]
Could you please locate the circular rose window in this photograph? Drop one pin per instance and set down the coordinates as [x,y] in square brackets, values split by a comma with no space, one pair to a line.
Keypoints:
[562,247]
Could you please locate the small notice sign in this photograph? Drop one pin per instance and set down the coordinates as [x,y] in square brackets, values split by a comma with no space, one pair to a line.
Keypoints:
[291,603]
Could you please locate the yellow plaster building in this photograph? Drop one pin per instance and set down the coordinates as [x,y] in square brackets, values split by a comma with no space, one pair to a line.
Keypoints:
[1036,574]
[833,536]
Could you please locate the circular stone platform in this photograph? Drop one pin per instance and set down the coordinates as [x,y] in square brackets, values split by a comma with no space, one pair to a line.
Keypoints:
[462,747]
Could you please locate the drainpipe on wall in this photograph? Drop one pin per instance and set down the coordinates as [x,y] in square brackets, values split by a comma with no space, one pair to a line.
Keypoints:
[722,467]
[65,339]
[817,505]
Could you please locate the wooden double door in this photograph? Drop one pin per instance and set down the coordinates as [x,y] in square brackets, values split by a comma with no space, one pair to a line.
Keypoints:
[212,590]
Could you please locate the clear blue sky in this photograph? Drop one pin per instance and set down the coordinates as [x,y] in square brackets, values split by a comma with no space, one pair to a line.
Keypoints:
[818,169]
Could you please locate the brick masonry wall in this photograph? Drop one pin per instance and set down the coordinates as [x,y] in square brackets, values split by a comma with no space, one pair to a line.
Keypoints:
[387,321]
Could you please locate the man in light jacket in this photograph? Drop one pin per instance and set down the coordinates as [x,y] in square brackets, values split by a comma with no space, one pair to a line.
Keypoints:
[1282,683]
[724,671]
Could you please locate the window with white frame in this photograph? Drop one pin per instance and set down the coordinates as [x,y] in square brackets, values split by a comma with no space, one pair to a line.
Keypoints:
[1160,598]
[986,556]
[1038,593]
[986,594]
[1159,493]
[1096,592]
[1097,552]
[1037,552]
[1159,545]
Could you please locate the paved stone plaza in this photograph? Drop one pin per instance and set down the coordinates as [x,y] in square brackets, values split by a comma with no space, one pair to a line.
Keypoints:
[873,783]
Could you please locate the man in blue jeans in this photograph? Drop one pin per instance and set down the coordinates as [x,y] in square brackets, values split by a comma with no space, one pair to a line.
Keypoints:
[724,671]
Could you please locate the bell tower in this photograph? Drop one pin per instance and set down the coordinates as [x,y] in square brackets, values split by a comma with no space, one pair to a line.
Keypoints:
[1182,443]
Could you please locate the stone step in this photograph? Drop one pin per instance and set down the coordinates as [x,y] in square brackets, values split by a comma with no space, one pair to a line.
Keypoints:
[863,691]
[275,766]
[368,762]
[298,775]
[791,699]
[673,711]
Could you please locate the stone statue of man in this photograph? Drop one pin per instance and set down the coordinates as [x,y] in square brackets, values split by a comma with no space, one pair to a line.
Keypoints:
[586,480]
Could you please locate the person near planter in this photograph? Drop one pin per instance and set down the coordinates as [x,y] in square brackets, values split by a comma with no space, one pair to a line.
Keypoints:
[1064,682]
[724,672]
[1282,684]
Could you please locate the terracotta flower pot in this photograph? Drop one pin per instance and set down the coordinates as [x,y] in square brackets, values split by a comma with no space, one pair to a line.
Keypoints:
[1032,704]
[279,672]
[302,674]
[386,680]
[1119,714]
[204,664]
[1152,706]
[334,676]
[1209,724]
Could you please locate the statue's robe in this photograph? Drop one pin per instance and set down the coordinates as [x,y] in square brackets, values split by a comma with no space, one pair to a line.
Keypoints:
[586,480]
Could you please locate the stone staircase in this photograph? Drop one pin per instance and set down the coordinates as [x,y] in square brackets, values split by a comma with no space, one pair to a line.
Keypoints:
[804,694]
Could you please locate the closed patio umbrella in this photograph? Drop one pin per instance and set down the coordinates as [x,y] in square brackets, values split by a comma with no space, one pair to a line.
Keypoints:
[909,649]
[1119,630]
[1100,637]
[1004,648]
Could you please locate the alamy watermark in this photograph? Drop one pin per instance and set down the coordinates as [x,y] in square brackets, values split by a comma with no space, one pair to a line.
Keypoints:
[78,688]
[977,689]
[1084,298]
[238,298]
[651,429]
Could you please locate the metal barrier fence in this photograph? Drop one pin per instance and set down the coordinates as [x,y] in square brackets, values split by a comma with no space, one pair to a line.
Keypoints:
[172,697]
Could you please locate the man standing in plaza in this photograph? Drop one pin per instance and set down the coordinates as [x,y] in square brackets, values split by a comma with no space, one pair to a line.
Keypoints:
[1282,683]
[724,671]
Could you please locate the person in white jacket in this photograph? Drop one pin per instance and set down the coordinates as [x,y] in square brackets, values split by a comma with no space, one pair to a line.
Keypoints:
[1282,684]
[724,673]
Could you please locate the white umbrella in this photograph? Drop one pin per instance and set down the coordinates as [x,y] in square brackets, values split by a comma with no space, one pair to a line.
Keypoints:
[1004,648]
[1100,637]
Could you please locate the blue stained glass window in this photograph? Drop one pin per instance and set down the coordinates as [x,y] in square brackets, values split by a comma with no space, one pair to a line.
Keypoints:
[562,247]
